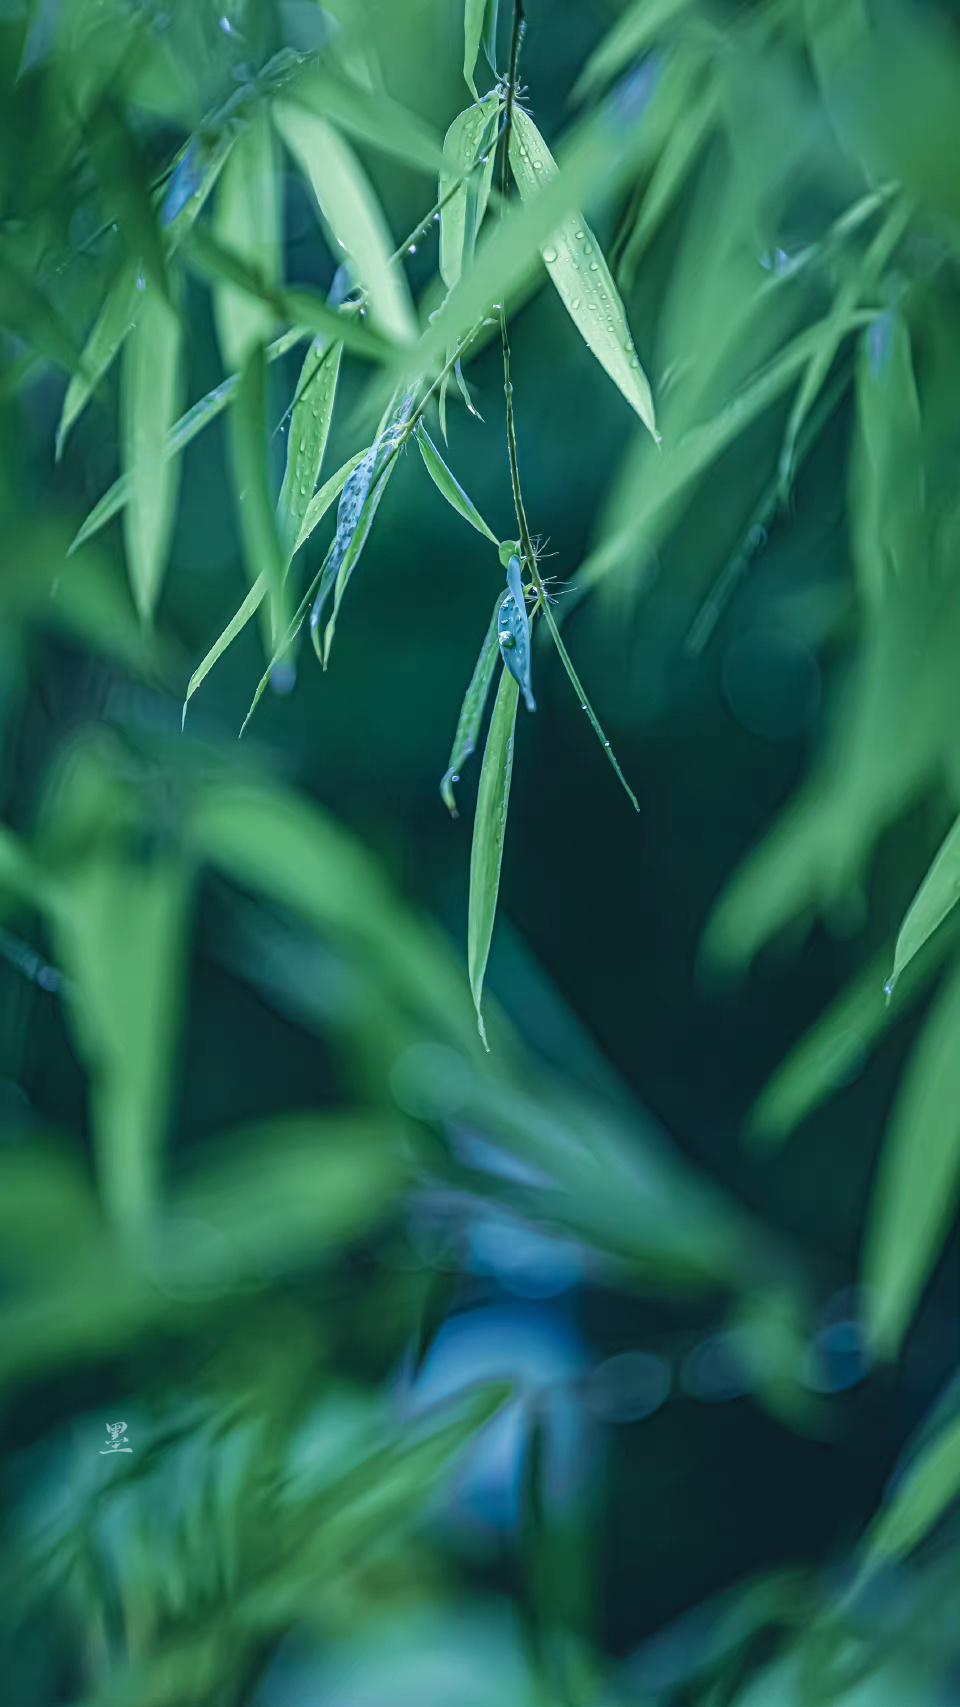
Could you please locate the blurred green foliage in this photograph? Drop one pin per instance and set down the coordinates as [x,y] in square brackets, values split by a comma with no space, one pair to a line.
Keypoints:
[341,1358]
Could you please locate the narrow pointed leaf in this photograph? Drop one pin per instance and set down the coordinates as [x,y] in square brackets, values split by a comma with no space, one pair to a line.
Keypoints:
[309,430]
[371,117]
[918,1183]
[634,31]
[352,215]
[125,182]
[580,273]
[937,896]
[585,705]
[489,831]
[474,17]
[471,711]
[354,544]
[928,1487]
[471,133]
[887,486]
[26,310]
[151,395]
[447,483]
[258,527]
[247,219]
[513,633]
[110,328]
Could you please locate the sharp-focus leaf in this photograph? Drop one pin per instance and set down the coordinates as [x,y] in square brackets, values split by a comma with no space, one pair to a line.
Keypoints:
[258,523]
[887,494]
[917,1499]
[462,208]
[354,522]
[319,505]
[447,483]
[352,215]
[580,273]
[918,1182]
[309,430]
[120,933]
[247,219]
[150,398]
[937,896]
[586,706]
[513,633]
[471,711]
[181,434]
[489,830]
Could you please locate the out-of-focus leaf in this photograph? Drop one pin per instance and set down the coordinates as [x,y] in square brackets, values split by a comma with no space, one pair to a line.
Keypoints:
[150,397]
[917,1499]
[181,434]
[258,522]
[680,154]
[124,179]
[115,320]
[580,273]
[935,899]
[371,118]
[634,31]
[489,831]
[513,633]
[26,310]
[309,430]
[918,1181]
[462,208]
[447,483]
[471,711]
[887,494]
[352,215]
[474,17]
[120,932]
[838,1045]
[319,505]
[247,219]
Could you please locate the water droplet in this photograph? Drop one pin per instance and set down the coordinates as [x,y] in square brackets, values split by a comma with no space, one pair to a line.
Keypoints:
[141,282]
[888,988]
[550,255]
[594,266]
[538,165]
[575,302]
[411,248]
[580,236]
[436,219]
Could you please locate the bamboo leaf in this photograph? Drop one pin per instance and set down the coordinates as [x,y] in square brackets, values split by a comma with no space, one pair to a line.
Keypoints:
[474,17]
[919,1497]
[513,633]
[309,430]
[634,31]
[248,220]
[25,309]
[371,117]
[937,896]
[110,328]
[447,483]
[124,178]
[352,215]
[585,705]
[471,711]
[489,830]
[462,208]
[181,434]
[351,537]
[576,265]
[918,1182]
[887,496]
[151,393]
[258,525]
[317,509]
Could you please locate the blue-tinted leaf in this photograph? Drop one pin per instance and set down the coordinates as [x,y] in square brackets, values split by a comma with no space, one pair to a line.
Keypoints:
[489,831]
[471,711]
[513,633]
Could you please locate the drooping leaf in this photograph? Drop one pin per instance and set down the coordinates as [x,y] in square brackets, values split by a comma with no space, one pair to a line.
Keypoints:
[125,183]
[918,1182]
[114,321]
[350,539]
[447,483]
[258,523]
[352,216]
[683,147]
[318,507]
[636,29]
[150,397]
[576,264]
[464,187]
[887,495]
[471,711]
[309,430]
[489,831]
[371,117]
[181,434]
[935,899]
[474,17]
[918,1498]
[247,219]
[586,706]
[513,633]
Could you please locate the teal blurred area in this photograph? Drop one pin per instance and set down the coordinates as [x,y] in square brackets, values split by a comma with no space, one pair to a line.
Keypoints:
[615,1365]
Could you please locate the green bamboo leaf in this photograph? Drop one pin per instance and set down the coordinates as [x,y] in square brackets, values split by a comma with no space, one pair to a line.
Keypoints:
[319,505]
[474,18]
[352,215]
[26,310]
[915,1196]
[150,399]
[684,144]
[634,31]
[513,633]
[247,219]
[918,1498]
[471,711]
[181,434]
[838,1045]
[585,705]
[472,133]
[937,896]
[447,483]
[576,265]
[258,524]
[125,182]
[351,537]
[489,830]
[309,430]
[110,328]
[370,117]
[887,486]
